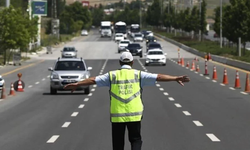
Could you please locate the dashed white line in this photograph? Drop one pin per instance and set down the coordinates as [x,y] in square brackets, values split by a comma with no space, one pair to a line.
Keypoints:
[146,70]
[171,98]
[158,85]
[244,93]
[186,113]
[81,106]
[165,93]
[231,88]
[66,124]
[198,123]
[177,105]
[213,137]
[201,75]
[37,82]
[208,78]
[48,76]
[43,79]
[74,114]
[86,99]
[53,139]
[222,84]
[92,89]
[161,89]
[29,86]
[214,80]
[90,94]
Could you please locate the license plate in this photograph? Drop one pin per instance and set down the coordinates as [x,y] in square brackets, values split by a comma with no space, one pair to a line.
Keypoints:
[134,54]
[69,81]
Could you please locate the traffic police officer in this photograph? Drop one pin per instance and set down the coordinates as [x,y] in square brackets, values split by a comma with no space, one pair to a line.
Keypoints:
[126,108]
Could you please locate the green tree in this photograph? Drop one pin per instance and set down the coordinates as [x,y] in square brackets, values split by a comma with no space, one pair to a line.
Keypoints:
[203,22]
[154,14]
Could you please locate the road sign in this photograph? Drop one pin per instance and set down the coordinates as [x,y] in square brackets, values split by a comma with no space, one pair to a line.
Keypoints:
[39,7]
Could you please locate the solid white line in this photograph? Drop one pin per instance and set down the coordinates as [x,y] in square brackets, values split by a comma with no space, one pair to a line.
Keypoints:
[53,139]
[29,86]
[66,124]
[231,88]
[90,94]
[92,89]
[158,85]
[86,99]
[171,98]
[177,105]
[198,123]
[43,79]
[213,137]
[244,93]
[74,114]
[207,77]
[161,89]
[37,82]
[186,113]
[81,106]
[165,93]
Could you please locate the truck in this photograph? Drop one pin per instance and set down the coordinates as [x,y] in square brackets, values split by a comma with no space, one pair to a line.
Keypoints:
[121,27]
[105,29]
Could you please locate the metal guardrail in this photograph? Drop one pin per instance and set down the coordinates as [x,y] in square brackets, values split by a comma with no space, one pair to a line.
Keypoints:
[224,60]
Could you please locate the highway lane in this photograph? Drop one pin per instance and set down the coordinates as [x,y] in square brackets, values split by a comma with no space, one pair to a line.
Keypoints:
[35,119]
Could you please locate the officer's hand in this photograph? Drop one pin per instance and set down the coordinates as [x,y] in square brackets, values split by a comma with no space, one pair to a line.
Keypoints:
[71,86]
[182,79]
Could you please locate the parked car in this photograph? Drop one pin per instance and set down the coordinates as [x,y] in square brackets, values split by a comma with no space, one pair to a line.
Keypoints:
[2,82]
[122,45]
[84,33]
[153,45]
[155,56]
[138,37]
[119,37]
[67,71]
[69,52]
[135,49]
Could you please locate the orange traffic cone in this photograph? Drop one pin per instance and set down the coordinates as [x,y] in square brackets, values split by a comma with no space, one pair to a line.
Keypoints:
[225,80]
[197,68]
[206,70]
[182,62]
[12,91]
[215,74]
[20,86]
[193,66]
[179,61]
[247,87]
[209,56]
[187,65]
[3,96]
[237,80]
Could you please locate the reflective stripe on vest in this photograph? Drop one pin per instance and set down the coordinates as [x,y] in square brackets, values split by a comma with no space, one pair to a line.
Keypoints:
[125,94]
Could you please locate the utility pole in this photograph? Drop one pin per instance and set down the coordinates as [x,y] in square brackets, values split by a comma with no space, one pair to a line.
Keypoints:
[220,23]
[140,16]
[200,22]
[7,3]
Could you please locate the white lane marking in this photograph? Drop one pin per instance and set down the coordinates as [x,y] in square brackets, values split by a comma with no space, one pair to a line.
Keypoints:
[201,75]
[48,76]
[158,85]
[244,93]
[66,124]
[92,89]
[171,98]
[1,100]
[29,86]
[213,137]
[161,89]
[74,114]
[222,84]
[86,99]
[186,113]
[146,70]
[43,79]
[100,73]
[198,123]
[53,139]
[207,77]
[165,93]
[81,106]
[231,88]
[90,94]
[37,82]
[94,85]
[214,80]
[196,72]
[177,105]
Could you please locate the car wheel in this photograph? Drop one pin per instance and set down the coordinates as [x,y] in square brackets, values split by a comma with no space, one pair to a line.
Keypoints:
[163,64]
[86,90]
[146,64]
[140,56]
[53,91]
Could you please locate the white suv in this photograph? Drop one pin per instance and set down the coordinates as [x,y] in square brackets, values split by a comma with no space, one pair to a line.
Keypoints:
[70,70]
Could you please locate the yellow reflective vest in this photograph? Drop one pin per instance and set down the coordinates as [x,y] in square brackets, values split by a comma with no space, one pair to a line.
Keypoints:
[125,94]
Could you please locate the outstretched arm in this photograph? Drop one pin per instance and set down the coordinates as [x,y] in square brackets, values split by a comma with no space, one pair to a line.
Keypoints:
[73,86]
[179,79]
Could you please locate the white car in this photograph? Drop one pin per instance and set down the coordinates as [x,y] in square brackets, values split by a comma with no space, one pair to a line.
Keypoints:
[84,33]
[155,56]
[138,37]
[122,45]
[2,82]
[119,37]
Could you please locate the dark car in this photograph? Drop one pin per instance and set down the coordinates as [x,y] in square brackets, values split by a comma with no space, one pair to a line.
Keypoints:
[135,49]
[150,39]
[153,45]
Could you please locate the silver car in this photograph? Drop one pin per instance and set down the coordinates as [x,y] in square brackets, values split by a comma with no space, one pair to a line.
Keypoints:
[70,70]
[69,52]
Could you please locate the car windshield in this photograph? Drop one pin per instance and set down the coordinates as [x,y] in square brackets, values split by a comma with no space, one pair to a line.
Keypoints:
[154,46]
[68,49]
[134,46]
[151,38]
[138,35]
[118,35]
[69,65]
[124,42]
[155,53]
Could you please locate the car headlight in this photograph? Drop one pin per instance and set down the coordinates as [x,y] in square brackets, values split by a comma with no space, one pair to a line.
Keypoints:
[154,40]
[139,50]
[55,76]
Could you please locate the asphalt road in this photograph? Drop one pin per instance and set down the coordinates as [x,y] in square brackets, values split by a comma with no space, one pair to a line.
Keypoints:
[202,115]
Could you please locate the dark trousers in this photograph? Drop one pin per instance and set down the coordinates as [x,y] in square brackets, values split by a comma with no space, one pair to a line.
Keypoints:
[134,135]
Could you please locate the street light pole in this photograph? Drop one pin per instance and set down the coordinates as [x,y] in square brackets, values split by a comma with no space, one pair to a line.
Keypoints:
[200,22]
[140,16]
[7,3]
[220,23]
